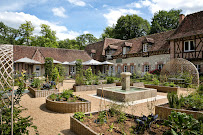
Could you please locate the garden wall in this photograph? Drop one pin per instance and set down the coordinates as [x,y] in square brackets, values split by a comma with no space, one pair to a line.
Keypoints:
[68,107]
[91,87]
[164,112]
[41,93]
[163,88]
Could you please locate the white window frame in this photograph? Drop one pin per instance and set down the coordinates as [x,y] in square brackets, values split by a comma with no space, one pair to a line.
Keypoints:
[146,68]
[145,47]
[72,69]
[132,69]
[189,46]
[125,68]
[92,54]
[124,50]
[160,66]
[119,69]
[198,67]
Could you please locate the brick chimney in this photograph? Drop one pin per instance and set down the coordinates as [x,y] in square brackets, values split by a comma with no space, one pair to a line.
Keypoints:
[181,17]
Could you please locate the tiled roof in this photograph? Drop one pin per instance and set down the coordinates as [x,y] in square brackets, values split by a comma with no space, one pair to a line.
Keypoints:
[62,55]
[159,40]
[191,25]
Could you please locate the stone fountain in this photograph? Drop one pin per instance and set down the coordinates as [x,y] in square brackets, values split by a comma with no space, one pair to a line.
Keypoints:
[125,92]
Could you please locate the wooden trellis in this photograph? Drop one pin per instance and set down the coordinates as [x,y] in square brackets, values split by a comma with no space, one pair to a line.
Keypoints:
[6,78]
[177,67]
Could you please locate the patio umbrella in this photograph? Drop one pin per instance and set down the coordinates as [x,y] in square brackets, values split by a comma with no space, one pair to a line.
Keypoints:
[57,62]
[72,63]
[27,60]
[106,63]
[92,62]
[65,63]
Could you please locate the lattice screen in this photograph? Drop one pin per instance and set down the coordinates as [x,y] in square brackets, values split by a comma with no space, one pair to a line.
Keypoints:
[177,68]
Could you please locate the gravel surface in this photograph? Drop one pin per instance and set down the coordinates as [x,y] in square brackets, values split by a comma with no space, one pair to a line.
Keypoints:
[52,123]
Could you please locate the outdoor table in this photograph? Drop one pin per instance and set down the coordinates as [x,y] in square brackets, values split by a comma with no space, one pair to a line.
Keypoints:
[177,80]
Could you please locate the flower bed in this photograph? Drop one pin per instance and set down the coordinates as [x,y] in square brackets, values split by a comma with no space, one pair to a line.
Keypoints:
[164,111]
[91,124]
[91,87]
[67,103]
[163,88]
[41,93]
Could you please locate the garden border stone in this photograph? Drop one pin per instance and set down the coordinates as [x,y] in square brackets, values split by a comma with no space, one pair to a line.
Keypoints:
[163,88]
[91,87]
[164,112]
[41,93]
[68,107]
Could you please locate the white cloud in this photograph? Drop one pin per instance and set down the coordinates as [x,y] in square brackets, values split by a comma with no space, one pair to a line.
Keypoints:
[77,2]
[15,19]
[59,12]
[135,4]
[188,6]
[86,32]
[114,15]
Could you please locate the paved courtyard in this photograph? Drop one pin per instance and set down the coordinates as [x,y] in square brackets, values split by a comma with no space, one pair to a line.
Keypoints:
[52,123]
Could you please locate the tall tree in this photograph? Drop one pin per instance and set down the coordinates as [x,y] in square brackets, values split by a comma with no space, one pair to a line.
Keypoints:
[85,39]
[26,31]
[108,32]
[68,44]
[165,20]
[131,26]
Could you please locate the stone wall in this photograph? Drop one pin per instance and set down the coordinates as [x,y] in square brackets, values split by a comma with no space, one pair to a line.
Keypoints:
[139,62]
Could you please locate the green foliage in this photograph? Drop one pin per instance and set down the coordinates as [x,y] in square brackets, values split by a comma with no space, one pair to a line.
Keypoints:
[194,102]
[68,44]
[131,26]
[111,127]
[155,81]
[61,69]
[172,84]
[174,100]
[48,67]
[110,80]
[102,118]
[109,32]
[53,96]
[148,76]
[55,74]
[36,83]
[187,77]
[84,40]
[165,20]
[66,94]
[121,117]
[166,84]
[26,31]
[183,124]
[200,89]
[95,80]
[88,74]
[79,116]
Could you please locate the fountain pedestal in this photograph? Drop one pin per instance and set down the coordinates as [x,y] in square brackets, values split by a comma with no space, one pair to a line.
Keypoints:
[125,80]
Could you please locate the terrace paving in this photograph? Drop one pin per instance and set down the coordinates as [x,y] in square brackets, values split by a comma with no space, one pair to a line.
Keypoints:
[52,123]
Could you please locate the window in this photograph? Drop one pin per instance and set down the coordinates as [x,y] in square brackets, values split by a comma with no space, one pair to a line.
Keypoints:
[92,55]
[124,50]
[125,69]
[37,68]
[198,68]
[145,47]
[146,68]
[72,69]
[160,66]
[119,69]
[189,46]
[132,69]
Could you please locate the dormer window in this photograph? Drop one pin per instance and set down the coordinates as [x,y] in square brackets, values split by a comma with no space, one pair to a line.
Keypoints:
[93,52]
[189,46]
[126,50]
[145,47]
[92,55]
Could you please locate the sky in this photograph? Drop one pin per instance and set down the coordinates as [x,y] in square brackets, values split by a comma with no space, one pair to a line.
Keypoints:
[71,18]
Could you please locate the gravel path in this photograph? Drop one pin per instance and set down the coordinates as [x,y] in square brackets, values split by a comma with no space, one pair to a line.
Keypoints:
[51,123]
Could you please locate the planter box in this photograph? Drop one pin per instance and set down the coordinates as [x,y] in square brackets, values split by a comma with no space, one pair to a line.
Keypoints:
[164,112]
[41,93]
[26,84]
[163,88]
[91,87]
[138,84]
[68,107]
[81,129]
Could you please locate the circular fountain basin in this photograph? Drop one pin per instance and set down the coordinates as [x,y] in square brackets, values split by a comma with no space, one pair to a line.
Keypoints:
[135,93]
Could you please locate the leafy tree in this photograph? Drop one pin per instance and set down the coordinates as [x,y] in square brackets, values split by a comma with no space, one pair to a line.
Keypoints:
[26,31]
[79,80]
[48,67]
[68,44]
[131,26]
[165,20]
[85,39]
[108,32]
